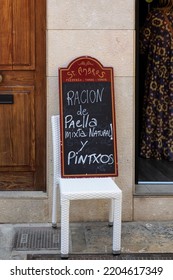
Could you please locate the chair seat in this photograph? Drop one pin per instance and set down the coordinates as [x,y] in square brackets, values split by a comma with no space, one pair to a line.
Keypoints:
[88,188]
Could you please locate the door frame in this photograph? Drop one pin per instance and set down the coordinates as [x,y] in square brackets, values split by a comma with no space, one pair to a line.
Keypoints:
[41,88]
[137,102]
[136,89]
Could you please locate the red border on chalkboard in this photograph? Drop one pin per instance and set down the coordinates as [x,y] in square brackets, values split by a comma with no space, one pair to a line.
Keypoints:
[87,69]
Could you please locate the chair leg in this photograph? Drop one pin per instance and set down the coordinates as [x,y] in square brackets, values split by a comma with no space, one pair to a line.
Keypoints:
[54,207]
[111,209]
[65,228]
[117,225]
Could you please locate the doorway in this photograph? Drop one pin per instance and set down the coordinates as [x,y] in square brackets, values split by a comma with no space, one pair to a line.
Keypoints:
[23,95]
[148,171]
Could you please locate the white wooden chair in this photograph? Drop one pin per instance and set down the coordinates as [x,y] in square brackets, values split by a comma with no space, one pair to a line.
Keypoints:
[82,188]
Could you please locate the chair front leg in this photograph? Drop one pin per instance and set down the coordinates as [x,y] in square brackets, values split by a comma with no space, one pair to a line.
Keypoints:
[65,228]
[117,225]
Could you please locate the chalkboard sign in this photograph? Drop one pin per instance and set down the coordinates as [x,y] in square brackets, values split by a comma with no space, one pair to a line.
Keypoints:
[87,118]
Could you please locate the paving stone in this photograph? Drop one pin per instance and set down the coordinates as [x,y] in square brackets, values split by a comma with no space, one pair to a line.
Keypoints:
[96,238]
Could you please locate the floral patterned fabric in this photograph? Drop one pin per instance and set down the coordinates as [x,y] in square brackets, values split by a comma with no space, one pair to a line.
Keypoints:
[156,42]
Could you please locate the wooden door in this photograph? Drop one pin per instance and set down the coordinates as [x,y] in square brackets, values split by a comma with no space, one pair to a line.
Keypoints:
[22,95]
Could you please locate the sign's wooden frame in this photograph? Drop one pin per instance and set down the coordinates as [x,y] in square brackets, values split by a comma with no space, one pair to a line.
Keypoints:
[87,70]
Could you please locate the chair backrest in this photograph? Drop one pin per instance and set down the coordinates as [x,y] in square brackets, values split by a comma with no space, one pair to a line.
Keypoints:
[55,120]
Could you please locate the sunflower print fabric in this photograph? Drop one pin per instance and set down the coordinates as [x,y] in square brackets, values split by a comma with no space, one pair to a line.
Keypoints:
[156,43]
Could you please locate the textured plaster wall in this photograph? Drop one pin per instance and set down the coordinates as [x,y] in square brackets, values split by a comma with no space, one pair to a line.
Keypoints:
[103,29]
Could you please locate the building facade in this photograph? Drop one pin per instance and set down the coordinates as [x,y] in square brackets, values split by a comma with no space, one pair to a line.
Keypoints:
[105,30]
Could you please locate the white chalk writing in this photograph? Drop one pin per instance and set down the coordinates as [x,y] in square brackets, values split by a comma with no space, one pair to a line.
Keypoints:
[87,116]
[84,122]
[75,134]
[83,145]
[100,133]
[84,97]
[75,158]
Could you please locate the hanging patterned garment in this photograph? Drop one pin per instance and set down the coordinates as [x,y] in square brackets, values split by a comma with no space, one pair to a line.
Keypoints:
[156,43]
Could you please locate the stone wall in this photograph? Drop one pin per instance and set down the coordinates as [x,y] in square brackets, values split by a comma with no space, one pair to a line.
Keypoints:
[103,29]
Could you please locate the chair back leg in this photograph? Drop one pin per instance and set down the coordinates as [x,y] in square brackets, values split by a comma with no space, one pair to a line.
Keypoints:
[54,206]
[111,211]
